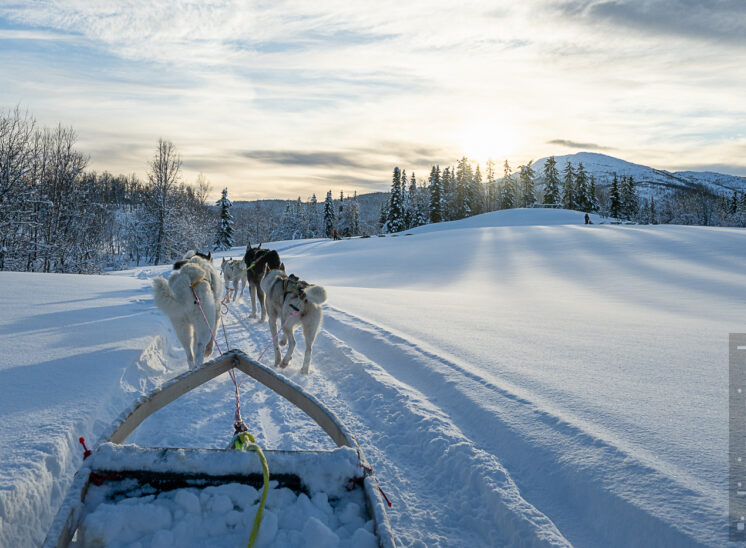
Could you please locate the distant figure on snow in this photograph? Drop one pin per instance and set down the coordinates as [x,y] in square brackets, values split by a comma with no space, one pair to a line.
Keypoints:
[335,235]
[588,220]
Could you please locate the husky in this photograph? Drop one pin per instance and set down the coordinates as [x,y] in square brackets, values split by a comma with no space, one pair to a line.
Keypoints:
[234,273]
[293,302]
[175,298]
[258,262]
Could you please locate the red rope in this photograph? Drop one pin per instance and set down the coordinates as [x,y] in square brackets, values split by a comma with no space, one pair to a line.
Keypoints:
[198,303]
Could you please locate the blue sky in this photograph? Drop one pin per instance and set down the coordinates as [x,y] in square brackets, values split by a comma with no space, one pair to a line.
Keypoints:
[287,98]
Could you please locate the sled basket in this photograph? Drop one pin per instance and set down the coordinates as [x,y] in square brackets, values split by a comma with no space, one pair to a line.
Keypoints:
[117,472]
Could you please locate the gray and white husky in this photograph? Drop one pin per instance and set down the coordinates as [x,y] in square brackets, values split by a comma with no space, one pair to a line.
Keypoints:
[175,298]
[234,274]
[293,302]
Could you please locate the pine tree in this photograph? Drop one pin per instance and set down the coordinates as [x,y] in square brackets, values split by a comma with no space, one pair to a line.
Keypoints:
[492,191]
[629,199]
[422,213]
[551,182]
[224,239]
[436,195]
[568,188]
[582,197]
[477,194]
[463,205]
[653,214]
[528,195]
[313,218]
[395,215]
[448,197]
[507,191]
[410,214]
[593,196]
[329,218]
[615,201]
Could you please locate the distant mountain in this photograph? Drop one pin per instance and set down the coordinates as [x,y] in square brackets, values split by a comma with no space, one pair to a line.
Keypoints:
[654,181]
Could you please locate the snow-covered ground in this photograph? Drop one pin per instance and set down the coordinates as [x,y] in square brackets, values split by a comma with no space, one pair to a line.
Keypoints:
[517,378]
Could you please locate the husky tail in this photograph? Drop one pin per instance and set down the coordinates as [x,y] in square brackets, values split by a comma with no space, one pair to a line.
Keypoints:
[164,297]
[316,294]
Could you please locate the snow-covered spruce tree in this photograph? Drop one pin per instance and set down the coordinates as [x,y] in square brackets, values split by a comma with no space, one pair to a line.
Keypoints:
[551,182]
[422,213]
[410,203]
[395,213]
[629,199]
[491,202]
[528,195]
[593,194]
[224,238]
[507,188]
[449,194]
[313,215]
[582,192]
[329,217]
[436,195]
[568,188]
[476,193]
[615,201]
[464,177]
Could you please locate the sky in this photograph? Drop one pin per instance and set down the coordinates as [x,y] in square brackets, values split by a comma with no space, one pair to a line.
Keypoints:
[280,99]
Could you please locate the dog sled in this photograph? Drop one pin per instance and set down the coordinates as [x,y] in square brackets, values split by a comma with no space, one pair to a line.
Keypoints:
[133,478]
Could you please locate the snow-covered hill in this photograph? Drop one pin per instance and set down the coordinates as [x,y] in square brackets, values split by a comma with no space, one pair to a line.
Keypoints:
[648,179]
[516,378]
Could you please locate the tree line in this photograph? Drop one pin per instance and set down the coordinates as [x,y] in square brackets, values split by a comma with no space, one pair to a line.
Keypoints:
[457,192]
[56,216]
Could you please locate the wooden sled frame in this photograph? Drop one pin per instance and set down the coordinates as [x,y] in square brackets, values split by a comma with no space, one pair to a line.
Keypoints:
[263,374]
[71,512]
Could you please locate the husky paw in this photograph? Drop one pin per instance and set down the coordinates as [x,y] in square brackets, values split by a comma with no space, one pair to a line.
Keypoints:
[284,363]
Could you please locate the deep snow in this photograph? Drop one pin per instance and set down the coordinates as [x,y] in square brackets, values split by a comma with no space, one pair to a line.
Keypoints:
[515,379]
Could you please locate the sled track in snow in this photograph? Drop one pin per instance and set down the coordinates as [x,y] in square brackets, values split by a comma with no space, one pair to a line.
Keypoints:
[424,433]
[482,423]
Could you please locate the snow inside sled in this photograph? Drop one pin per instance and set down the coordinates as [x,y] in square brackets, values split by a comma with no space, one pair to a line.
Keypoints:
[125,494]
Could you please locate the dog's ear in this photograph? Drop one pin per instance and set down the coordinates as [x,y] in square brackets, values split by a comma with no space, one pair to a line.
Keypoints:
[260,245]
[282,267]
[209,256]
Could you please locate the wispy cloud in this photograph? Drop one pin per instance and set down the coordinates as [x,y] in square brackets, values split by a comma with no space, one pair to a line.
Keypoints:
[303,94]
[315,159]
[575,144]
[717,21]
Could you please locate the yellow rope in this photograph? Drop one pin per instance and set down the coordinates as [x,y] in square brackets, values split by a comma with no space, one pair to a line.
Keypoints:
[245,441]
[195,284]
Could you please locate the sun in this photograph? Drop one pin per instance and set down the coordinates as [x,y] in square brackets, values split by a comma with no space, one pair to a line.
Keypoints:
[483,140]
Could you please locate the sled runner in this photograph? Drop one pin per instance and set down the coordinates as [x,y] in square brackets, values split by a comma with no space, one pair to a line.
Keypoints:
[115,472]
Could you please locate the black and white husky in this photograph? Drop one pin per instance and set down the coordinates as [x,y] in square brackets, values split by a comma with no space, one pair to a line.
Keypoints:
[234,274]
[258,262]
[293,302]
[176,299]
